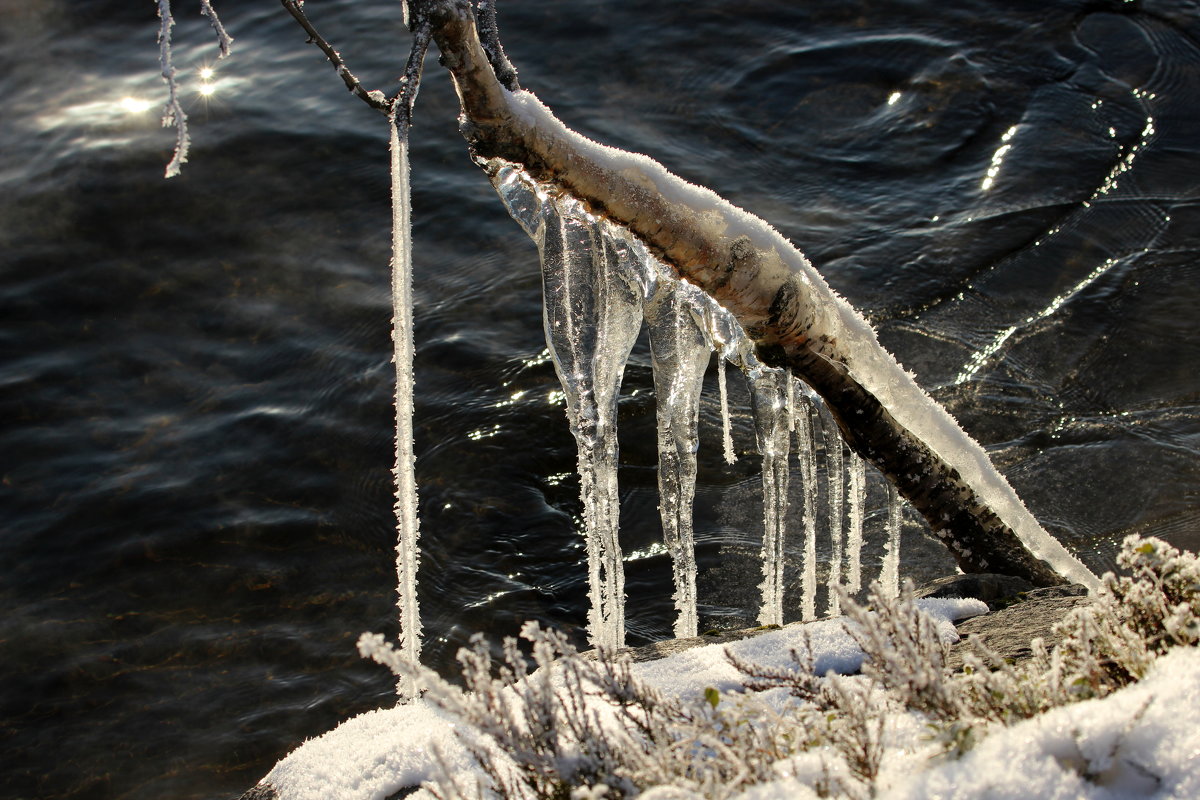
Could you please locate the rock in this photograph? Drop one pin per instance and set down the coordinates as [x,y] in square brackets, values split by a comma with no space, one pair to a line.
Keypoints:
[997,591]
[1009,631]
[265,791]
[1019,613]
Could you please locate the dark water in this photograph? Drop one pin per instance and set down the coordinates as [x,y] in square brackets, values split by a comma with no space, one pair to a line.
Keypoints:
[195,418]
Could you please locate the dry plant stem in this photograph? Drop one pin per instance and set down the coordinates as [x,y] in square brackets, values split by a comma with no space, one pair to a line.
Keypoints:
[767,298]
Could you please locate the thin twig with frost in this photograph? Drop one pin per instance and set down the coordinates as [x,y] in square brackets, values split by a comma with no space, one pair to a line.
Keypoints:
[374,98]
[799,678]
[904,652]
[173,113]
[224,40]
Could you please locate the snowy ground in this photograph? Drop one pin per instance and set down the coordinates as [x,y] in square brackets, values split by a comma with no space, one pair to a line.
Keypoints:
[1137,743]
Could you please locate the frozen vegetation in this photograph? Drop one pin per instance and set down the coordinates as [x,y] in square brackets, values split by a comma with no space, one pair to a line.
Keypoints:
[1104,714]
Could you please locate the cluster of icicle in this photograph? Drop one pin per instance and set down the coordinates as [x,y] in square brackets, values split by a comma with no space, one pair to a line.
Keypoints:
[600,283]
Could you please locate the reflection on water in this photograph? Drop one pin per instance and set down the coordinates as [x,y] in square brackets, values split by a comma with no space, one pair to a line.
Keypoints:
[195,390]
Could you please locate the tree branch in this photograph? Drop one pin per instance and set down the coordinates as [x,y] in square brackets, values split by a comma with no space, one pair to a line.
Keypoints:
[783,304]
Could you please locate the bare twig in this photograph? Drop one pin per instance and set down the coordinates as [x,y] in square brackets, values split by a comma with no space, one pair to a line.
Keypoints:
[224,40]
[400,105]
[375,99]
[489,36]
[173,113]
[410,82]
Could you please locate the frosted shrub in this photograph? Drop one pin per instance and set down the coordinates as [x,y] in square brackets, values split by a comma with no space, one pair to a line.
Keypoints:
[905,654]
[1105,646]
[1135,619]
[578,723]
[1160,601]
[590,728]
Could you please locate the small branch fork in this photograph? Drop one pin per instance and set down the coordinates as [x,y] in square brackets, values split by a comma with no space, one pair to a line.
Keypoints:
[400,105]
[417,16]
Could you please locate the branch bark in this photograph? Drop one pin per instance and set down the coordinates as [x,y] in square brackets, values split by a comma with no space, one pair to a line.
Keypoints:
[777,299]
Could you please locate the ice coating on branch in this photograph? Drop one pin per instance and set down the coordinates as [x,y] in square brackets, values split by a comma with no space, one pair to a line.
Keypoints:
[407,552]
[680,354]
[833,320]
[769,395]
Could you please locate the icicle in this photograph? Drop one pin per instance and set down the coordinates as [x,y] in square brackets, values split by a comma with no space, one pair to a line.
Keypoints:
[890,574]
[680,356]
[407,553]
[592,317]
[769,396]
[802,421]
[791,399]
[726,425]
[856,495]
[834,476]
[725,335]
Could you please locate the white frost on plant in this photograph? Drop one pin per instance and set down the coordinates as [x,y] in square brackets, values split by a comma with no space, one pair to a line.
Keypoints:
[1105,715]
[373,755]
[1132,744]
[224,40]
[173,113]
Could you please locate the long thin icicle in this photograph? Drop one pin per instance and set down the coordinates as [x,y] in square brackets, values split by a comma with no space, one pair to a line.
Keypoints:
[890,574]
[726,426]
[407,552]
[680,356]
[802,415]
[856,495]
[834,477]
[769,394]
